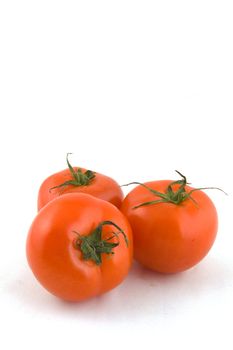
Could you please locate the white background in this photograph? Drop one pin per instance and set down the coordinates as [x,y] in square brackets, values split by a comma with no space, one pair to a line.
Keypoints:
[136,89]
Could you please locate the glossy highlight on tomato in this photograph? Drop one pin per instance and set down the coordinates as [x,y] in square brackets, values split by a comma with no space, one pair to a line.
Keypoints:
[79,180]
[79,246]
[171,234]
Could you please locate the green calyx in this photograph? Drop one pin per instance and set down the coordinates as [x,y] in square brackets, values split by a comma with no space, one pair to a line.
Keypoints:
[172,196]
[93,245]
[79,178]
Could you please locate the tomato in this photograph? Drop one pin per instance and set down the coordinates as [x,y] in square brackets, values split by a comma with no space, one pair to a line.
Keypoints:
[79,246]
[174,225]
[75,179]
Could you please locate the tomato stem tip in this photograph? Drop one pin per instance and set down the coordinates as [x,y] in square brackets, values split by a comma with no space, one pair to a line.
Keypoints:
[78,177]
[170,195]
[93,245]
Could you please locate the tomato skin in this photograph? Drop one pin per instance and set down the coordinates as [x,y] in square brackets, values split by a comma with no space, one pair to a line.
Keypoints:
[170,238]
[101,186]
[58,264]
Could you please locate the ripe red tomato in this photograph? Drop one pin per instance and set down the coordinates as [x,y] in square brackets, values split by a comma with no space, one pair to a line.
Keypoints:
[170,235]
[79,246]
[75,179]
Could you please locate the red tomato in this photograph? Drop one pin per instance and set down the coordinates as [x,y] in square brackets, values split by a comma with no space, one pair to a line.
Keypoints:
[170,236]
[79,246]
[75,179]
